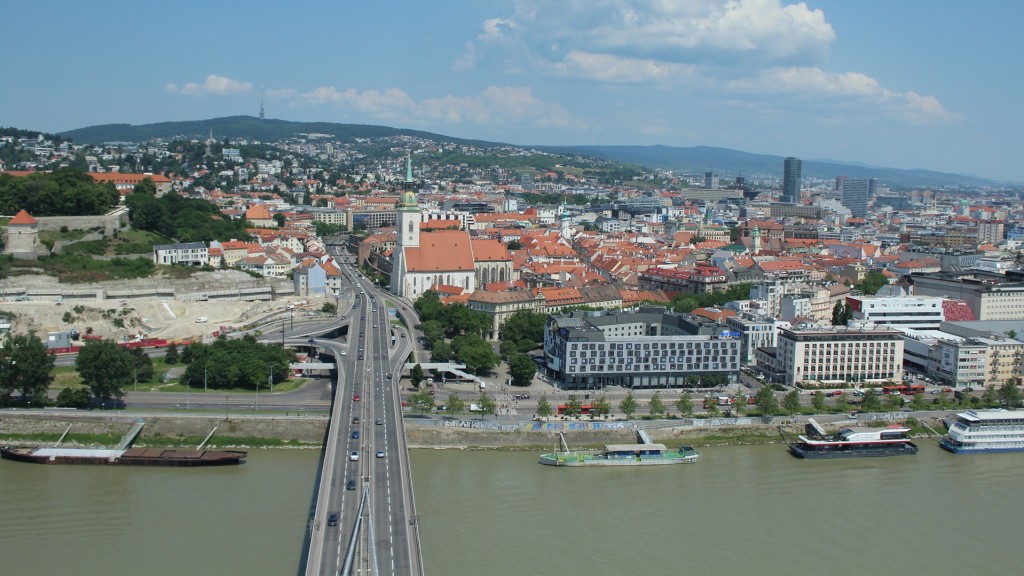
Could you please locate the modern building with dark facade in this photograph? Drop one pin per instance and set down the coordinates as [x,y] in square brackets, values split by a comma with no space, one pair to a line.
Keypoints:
[649,348]
[791,180]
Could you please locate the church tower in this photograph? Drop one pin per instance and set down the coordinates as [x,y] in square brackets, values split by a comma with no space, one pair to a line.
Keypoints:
[563,227]
[755,243]
[407,230]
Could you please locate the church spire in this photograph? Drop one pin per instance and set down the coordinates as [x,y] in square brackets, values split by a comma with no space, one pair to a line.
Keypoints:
[408,200]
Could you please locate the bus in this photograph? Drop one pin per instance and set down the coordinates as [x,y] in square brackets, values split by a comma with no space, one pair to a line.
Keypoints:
[585,409]
[905,389]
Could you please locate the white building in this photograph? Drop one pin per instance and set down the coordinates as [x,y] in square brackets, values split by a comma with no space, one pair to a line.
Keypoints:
[188,253]
[904,312]
[862,353]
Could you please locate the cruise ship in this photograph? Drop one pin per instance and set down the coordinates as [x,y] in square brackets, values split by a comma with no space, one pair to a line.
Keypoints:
[988,431]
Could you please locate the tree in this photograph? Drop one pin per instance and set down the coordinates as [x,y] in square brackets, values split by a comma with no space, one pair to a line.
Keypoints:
[629,405]
[791,402]
[1009,395]
[872,282]
[656,406]
[943,400]
[990,398]
[522,369]
[838,314]
[712,407]
[145,186]
[818,401]
[524,325]
[544,409]
[506,349]
[172,356]
[573,406]
[917,402]
[422,401]
[74,397]
[26,367]
[475,352]
[455,405]
[841,400]
[329,308]
[105,368]
[766,401]
[685,405]
[416,375]
[891,402]
[488,407]
[740,406]
[871,402]
[279,219]
[601,406]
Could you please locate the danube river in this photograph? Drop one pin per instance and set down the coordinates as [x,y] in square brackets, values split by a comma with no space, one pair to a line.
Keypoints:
[748,509]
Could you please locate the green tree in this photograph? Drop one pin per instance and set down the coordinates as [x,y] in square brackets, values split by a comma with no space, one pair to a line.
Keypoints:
[891,402]
[872,282]
[791,402]
[685,405]
[475,352]
[818,401]
[628,406]
[841,403]
[656,407]
[601,406]
[416,375]
[740,405]
[1009,395]
[26,367]
[544,409]
[943,400]
[522,369]
[871,402]
[488,407]
[279,219]
[917,402]
[573,406]
[766,401]
[990,397]
[506,349]
[172,356]
[711,407]
[142,365]
[329,308]
[422,401]
[145,186]
[105,368]
[455,405]
[838,315]
[524,325]
[74,397]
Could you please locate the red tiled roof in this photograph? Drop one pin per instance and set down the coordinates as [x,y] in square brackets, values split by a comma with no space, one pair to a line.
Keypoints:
[23,218]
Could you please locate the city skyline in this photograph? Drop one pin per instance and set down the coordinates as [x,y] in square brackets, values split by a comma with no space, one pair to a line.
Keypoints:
[908,85]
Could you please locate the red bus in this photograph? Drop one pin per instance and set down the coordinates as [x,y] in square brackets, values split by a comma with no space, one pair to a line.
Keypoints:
[906,389]
[585,409]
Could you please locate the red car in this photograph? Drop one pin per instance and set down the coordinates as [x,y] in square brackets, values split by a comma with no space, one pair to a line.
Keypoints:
[355,398]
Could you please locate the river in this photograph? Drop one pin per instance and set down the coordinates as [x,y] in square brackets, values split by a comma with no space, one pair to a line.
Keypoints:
[746,509]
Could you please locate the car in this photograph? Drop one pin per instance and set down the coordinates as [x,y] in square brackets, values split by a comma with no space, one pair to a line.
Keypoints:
[403,334]
[858,392]
[355,434]
[353,456]
[379,421]
[355,398]
[853,402]
[355,419]
[332,518]
[389,375]
[380,453]
[968,389]
[947,390]
[360,356]
[350,485]
[374,325]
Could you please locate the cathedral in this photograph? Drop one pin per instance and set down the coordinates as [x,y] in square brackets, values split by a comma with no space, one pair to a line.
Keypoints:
[422,261]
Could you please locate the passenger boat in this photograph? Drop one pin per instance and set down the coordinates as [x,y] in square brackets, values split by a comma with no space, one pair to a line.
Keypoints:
[645,453]
[989,431]
[852,442]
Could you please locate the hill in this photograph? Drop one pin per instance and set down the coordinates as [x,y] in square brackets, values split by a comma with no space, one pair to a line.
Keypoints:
[697,159]
[727,163]
[248,127]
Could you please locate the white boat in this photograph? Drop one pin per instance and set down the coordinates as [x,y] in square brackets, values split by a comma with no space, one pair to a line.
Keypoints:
[852,442]
[987,431]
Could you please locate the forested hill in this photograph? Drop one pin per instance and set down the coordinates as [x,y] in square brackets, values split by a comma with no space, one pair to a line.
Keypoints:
[248,127]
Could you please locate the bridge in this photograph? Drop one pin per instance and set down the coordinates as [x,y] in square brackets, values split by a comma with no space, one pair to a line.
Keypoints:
[363,515]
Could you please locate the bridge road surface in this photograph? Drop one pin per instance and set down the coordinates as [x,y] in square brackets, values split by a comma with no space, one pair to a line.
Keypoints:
[387,541]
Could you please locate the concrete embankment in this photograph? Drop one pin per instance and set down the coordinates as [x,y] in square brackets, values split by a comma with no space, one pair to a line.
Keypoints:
[29,428]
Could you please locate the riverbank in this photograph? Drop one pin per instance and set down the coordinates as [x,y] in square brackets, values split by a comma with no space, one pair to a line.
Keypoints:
[106,429]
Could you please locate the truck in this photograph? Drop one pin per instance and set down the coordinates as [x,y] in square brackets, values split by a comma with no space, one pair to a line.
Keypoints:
[474,407]
[483,386]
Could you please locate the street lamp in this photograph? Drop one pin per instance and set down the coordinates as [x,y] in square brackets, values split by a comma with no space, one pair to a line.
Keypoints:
[187,401]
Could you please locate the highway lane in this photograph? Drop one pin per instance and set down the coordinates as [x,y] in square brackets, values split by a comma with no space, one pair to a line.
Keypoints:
[386,543]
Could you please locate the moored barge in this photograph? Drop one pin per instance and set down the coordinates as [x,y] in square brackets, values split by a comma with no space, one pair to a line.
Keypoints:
[128,457]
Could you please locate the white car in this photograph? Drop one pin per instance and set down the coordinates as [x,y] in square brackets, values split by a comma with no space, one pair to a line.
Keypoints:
[380,453]
[353,456]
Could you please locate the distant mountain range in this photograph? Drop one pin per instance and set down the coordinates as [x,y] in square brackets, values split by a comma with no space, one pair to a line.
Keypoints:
[698,159]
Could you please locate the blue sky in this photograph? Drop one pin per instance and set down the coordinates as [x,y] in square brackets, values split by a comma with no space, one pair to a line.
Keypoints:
[908,84]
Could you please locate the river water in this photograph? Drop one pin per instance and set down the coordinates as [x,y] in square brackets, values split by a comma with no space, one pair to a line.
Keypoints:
[739,510]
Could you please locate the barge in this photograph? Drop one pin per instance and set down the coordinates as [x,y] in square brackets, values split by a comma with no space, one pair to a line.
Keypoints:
[128,457]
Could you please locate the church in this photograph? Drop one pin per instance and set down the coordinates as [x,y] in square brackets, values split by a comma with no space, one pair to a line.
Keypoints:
[422,260]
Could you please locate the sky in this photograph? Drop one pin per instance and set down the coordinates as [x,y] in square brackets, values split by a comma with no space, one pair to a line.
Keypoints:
[905,84]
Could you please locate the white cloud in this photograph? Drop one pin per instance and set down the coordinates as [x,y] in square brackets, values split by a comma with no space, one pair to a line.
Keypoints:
[495,105]
[814,84]
[280,93]
[618,69]
[214,84]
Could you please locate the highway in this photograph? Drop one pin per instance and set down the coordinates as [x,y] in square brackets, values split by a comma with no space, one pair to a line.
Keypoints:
[371,495]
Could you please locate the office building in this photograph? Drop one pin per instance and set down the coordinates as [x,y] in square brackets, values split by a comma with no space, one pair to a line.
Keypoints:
[791,180]
[860,353]
[854,194]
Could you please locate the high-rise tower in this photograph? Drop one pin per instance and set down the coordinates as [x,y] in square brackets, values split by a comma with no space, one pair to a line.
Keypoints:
[791,180]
